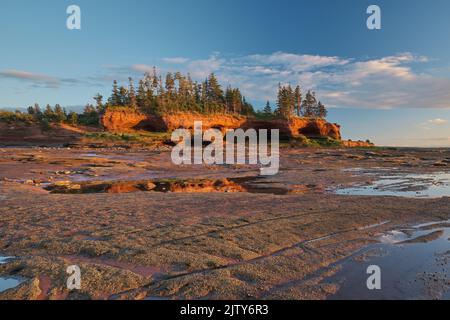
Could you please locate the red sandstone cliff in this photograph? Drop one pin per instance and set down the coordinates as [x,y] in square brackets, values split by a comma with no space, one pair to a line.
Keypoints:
[124,120]
[186,121]
[294,127]
[121,120]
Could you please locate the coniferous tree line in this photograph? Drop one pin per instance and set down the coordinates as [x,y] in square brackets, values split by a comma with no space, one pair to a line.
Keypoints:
[290,103]
[57,114]
[177,93]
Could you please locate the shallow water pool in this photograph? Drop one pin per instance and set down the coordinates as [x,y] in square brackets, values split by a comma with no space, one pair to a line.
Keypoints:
[435,185]
[8,282]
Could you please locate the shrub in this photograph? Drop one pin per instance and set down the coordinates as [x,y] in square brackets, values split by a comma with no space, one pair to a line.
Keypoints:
[17,116]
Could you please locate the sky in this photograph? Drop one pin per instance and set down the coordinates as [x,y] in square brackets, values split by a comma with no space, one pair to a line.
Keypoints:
[391,86]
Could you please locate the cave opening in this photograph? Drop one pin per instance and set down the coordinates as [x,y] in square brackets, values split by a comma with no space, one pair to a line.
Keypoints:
[310,131]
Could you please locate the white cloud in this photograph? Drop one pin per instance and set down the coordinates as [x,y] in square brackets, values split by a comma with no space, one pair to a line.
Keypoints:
[143,68]
[200,69]
[438,121]
[176,60]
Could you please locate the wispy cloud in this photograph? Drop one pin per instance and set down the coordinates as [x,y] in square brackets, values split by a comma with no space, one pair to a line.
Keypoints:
[142,68]
[39,80]
[35,78]
[293,62]
[438,121]
[175,60]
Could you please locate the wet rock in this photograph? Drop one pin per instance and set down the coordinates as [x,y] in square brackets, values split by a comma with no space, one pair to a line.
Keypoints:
[426,238]
[406,164]
[440,164]
[64,172]
[372,154]
[355,156]
[62,183]
[149,186]
[29,290]
[139,165]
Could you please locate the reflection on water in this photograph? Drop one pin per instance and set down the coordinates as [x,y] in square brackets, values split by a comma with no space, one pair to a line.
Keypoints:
[9,283]
[434,185]
[4,259]
[414,263]
[253,184]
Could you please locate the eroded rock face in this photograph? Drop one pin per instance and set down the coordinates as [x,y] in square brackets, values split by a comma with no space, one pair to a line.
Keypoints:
[312,128]
[220,122]
[124,120]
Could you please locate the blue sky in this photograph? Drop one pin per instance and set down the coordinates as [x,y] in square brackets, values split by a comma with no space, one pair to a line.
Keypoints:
[391,85]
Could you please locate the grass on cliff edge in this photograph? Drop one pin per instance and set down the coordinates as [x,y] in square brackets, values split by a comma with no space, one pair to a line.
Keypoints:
[152,138]
[143,138]
[305,142]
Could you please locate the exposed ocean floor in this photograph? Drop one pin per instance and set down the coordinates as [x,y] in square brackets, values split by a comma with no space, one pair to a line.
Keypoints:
[141,227]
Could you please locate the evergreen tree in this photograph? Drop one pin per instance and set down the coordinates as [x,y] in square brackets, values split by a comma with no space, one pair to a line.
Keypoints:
[229,99]
[322,111]
[170,84]
[132,101]
[141,95]
[247,108]
[214,91]
[198,94]
[89,109]
[99,102]
[285,101]
[37,109]
[234,100]
[31,111]
[154,82]
[59,114]
[267,109]
[49,115]
[72,118]
[309,105]
[90,116]
[123,99]
[114,100]
[298,101]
